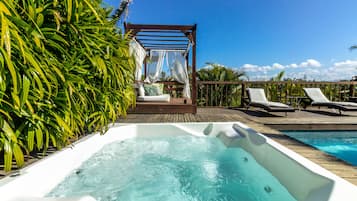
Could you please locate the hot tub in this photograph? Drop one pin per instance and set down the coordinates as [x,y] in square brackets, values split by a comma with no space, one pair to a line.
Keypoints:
[299,177]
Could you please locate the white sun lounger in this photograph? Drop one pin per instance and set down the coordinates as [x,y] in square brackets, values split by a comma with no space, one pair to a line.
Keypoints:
[257,98]
[320,100]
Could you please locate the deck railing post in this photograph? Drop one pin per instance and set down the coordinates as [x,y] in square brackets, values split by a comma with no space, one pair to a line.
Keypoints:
[352,90]
[286,91]
[242,95]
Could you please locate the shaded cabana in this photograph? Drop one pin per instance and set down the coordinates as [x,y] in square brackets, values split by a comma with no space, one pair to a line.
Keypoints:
[153,46]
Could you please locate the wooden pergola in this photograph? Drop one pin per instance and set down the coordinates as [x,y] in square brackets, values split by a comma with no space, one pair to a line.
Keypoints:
[169,38]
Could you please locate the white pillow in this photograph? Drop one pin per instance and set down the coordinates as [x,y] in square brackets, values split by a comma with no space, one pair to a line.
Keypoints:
[141,90]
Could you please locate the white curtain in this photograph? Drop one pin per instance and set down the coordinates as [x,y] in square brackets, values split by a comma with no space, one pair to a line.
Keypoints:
[154,66]
[139,53]
[177,64]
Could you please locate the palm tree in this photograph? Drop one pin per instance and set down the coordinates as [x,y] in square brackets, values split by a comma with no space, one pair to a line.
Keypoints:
[218,72]
[123,9]
[221,94]
[279,76]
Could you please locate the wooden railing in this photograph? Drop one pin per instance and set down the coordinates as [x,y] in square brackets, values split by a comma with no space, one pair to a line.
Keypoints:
[233,94]
[173,88]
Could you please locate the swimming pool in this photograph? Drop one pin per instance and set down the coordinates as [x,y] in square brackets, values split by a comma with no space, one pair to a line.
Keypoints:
[217,159]
[341,144]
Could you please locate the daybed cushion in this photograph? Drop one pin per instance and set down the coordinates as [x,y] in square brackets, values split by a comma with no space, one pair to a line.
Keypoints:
[153,89]
[141,89]
[159,98]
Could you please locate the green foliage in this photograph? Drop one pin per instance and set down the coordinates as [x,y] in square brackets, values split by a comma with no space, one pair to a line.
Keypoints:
[278,77]
[123,7]
[276,90]
[217,72]
[219,93]
[64,70]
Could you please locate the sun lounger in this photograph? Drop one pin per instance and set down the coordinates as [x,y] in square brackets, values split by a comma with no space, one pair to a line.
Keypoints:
[257,98]
[320,100]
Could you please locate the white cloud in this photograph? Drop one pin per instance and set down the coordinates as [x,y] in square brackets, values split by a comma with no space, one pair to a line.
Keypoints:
[265,68]
[278,66]
[260,77]
[293,66]
[310,63]
[310,69]
[249,66]
[347,63]
[255,68]
[343,70]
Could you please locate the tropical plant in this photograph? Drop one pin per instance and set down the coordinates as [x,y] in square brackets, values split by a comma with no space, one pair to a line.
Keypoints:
[219,93]
[275,91]
[122,9]
[218,72]
[64,70]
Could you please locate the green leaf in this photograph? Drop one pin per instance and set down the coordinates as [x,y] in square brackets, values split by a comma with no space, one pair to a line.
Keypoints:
[16,100]
[18,154]
[25,90]
[11,69]
[4,9]
[39,139]
[69,10]
[7,156]
[30,139]
[39,20]
[93,10]
[9,133]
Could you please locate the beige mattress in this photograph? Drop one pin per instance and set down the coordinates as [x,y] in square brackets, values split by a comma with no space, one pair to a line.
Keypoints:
[161,98]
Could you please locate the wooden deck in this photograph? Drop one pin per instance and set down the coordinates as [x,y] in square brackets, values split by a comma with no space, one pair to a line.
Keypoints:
[263,123]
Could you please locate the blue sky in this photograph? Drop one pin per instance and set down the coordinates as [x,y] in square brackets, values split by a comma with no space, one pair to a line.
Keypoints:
[303,37]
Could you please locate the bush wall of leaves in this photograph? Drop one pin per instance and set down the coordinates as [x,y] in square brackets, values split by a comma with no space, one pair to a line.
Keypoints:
[64,70]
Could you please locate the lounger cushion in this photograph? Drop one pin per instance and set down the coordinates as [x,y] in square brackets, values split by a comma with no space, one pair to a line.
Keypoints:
[276,104]
[316,95]
[257,95]
[348,104]
[272,104]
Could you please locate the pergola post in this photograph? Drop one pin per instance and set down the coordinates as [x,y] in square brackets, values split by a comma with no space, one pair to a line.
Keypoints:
[145,66]
[194,84]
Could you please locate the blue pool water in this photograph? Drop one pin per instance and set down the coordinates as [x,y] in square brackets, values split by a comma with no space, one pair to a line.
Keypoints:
[173,169]
[342,144]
